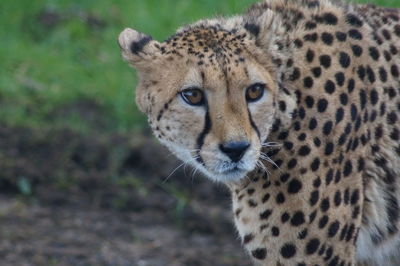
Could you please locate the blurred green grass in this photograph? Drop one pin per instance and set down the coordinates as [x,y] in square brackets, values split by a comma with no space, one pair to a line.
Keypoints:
[57,56]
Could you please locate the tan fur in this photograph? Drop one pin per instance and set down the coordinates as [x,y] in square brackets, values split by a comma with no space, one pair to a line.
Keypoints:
[329,194]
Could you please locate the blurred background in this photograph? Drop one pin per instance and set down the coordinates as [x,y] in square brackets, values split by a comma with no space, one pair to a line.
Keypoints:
[82,181]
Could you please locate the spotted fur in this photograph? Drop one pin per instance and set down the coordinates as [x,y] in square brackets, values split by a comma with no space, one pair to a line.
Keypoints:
[319,184]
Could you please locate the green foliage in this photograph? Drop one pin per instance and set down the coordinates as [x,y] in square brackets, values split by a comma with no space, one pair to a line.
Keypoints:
[56,53]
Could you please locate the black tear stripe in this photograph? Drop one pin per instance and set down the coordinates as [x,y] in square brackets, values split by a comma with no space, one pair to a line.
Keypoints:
[137,47]
[165,108]
[253,125]
[202,136]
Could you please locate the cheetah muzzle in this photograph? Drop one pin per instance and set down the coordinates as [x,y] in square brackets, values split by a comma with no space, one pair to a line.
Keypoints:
[295,106]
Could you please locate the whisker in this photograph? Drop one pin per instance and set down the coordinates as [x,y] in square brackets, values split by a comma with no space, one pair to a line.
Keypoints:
[184,164]
[176,169]
[265,157]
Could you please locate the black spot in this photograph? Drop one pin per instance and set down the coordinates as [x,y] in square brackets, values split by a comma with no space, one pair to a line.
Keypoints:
[295,75]
[252,28]
[397,30]
[374,53]
[285,217]
[353,112]
[260,253]
[310,25]
[298,43]
[325,204]
[351,85]
[294,186]
[304,150]
[330,87]
[317,141]
[309,101]
[327,128]
[265,198]
[330,18]
[322,105]
[348,168]
[314,197]
[328,253]
[138,46]
[341,36]
[297,219]
[292,163]
[329,148]
[334,261]
[357,50]
[387,55]
[333,228]
[282,106]
[310,55]
[288,250]
[340,78]
[265,214]
[323,221]
[374,97]
[353,20]
[361,164]
[355,34]
[248,238]
[317,182]
[313,124]
[395,71]
[325,61]
[322,250]
[361,72]
[315,164]
[350,232]
[308,82]
[386,34]
[312,37]
[344,232]
[312,246]
[355,196]
[344,60]
[280,198]
[288,145]
[275,231]
[303,234]
[344,99]
[370,74]
[337,198]
[302,136]
[316,71]
[392,118]
[339,115]
[363,98]
[327,38]
[338,176]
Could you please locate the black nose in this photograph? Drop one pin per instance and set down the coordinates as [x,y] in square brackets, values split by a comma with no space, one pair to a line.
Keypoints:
[235,149]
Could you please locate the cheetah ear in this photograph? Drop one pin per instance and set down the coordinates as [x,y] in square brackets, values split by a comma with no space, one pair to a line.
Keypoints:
[138,48]
[261,26]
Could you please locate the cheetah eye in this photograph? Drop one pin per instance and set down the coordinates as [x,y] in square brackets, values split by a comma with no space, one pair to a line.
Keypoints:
[255,92]
[193,96]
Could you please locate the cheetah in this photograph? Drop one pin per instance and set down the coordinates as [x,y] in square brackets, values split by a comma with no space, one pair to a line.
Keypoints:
[295,106]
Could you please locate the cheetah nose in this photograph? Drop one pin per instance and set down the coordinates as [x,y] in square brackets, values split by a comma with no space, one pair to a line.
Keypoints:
[235,149]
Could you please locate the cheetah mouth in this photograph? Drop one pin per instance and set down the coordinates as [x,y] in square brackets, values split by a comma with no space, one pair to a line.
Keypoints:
[232,171]
[229,171]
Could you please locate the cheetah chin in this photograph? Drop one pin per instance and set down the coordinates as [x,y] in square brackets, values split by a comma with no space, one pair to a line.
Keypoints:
[318,79]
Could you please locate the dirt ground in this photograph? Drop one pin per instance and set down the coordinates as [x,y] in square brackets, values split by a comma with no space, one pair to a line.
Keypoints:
[71,199]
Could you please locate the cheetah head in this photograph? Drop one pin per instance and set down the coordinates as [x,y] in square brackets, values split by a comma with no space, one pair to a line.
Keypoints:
[209,93]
